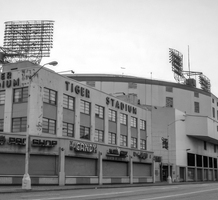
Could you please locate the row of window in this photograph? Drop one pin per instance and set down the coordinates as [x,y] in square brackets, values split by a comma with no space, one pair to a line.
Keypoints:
[169,103]
[20,95]
[123,140]
[49,126]
[50,96]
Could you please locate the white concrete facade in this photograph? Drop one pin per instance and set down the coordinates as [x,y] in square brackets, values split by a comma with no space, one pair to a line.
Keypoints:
[65,152]
[196,135]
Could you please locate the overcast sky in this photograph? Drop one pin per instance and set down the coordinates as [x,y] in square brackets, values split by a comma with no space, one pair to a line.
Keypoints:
[130,37]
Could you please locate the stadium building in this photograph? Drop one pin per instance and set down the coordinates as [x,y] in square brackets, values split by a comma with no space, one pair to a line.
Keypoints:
[184,122]
[70,133]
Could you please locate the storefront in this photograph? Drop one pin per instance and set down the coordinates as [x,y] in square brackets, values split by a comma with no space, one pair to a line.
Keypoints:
[65,161]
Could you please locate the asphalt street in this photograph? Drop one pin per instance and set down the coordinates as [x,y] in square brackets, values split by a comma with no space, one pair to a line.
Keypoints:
[165,192]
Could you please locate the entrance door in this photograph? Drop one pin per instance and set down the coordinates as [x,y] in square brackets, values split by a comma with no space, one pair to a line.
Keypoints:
[165,173]
[182,174]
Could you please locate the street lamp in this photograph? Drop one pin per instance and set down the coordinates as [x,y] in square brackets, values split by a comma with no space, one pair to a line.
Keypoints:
[169,179]
[26,181]
[71,71]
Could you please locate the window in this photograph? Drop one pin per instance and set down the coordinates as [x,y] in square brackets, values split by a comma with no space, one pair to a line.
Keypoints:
[205,145]
[20,95]
[197,107]
[134,122]
[90,83]
[142,124]
[123,118]
[50,96]
[132,85]
[84,132]
[123,140]
[2,97]
[142,144]
[213,111]
[68,102]
[1,125]
[48,126]
[196,94]
[217,114]
[68,129]
[214,148]
[133,142]
[112,138]
[169,89]
[191,159]
[112,115]
[19,124]
[215,163]
[84,107]
[99,136]
[169,102]
[99,111]
[212,100]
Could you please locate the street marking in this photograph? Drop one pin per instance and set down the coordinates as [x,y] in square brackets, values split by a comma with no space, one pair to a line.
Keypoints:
[123,192]
[93,195]
[38,195]
[103,194]
[176,195]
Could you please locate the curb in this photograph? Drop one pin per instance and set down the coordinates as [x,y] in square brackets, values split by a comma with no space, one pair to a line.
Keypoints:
[10,189]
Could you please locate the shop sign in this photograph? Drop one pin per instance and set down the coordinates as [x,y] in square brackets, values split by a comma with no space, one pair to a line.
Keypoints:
[13,141]
[77,89]
[120,105]
[6,80]
[83,147]
[2,140]
[116,153]
[140,155]
[157,158]
[44,143]
[17,141]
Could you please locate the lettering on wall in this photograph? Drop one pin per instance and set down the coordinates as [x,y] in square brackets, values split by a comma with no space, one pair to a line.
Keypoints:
[140,155]
[157,158]
[25,76]
[44,143]
[39,126]
[117,152]
[6,80]
[84,92]
[2,140]
[22,142]
[120,105]
[13,141]
[83,147]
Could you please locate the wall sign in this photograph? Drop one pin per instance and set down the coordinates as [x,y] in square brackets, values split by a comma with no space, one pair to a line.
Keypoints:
[22,142]
[83,147]
[117,152]
[77,89]
[12,141]
[157,158]
[140,155]
[2,140]
[44,143]
[17,141]
[6,80]
[120,105]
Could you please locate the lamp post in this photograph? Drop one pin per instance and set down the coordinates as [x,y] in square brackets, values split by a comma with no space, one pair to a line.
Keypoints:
[26,181]
[169,179]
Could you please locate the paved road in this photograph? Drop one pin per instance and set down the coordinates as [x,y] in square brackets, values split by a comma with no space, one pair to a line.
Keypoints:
[169,192]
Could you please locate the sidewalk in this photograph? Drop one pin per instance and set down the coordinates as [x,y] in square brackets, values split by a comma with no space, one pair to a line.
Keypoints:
[35,188]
